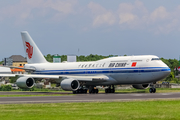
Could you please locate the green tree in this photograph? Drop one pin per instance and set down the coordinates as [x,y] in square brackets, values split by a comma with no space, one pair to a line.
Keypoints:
[170,77]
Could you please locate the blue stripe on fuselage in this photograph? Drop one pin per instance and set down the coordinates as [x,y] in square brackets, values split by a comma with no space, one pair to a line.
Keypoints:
[103,70]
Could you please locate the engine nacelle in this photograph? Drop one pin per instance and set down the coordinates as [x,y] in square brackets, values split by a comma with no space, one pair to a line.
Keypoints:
[70,84]
[141,86]
[25,82]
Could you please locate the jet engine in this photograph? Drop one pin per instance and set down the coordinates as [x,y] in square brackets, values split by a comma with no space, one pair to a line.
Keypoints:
[141,86]
[70,84]
[25,82]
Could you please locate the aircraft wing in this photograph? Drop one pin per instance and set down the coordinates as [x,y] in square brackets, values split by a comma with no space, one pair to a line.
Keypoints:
[40,76]
[89,78]
[63,77]
[7,75]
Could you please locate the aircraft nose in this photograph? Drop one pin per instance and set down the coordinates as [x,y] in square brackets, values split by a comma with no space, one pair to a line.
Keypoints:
[166,69]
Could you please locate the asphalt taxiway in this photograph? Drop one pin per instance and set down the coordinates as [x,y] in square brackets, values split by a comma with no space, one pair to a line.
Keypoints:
[88,98]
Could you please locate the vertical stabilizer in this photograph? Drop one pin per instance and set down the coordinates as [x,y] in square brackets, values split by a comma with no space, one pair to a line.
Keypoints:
[33,53]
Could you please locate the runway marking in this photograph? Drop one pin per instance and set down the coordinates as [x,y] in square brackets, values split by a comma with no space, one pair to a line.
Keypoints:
[138,95]
[166,93]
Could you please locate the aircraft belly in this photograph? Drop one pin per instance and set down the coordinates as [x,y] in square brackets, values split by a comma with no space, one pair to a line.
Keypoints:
[134,78]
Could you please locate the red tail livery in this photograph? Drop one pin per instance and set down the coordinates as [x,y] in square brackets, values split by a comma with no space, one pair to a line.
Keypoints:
[29,50]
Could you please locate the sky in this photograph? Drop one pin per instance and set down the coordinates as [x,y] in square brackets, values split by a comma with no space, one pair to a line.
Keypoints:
[83,27]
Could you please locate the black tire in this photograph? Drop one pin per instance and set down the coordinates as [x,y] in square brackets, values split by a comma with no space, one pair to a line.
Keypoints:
[74,92]
[109,90]
[90,91]
[106,91]
[86,91]
[154,90]
[112,91]
[151,90]
[93,91]
[97,91]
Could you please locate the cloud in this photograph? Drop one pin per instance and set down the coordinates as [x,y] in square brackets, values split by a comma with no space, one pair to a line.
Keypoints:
[159,14]
[136,16]
[101,15]
[106,18]
[127,18]
[127,15]
[96,8]
[130,15]
[27,10]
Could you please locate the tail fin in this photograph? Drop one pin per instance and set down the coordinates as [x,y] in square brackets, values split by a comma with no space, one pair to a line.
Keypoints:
[33,53]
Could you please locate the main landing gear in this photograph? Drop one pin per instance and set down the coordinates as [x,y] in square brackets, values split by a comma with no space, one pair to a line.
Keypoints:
[152,89]
[92,90]
[80,91]
[110,89]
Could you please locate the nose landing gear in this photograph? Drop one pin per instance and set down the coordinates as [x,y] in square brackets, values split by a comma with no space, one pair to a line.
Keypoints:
[152,89]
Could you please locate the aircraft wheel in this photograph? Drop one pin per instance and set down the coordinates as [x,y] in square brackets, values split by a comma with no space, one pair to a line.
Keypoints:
[90,91]
[96,91]
[151,90]
[154,90]
[112,91]
[106,91]
[85,91]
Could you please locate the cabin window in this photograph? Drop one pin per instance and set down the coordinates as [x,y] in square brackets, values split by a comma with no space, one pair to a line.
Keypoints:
[155,59]
[93,65]
[136,60]
[103,65]
[90,65]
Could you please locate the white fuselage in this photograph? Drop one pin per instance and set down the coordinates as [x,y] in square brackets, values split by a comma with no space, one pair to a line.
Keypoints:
[119,70]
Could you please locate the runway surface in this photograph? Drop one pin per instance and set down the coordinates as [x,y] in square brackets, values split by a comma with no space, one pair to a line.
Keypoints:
[89,98]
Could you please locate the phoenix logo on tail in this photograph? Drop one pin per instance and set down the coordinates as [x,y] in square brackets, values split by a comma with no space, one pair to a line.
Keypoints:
[29,50]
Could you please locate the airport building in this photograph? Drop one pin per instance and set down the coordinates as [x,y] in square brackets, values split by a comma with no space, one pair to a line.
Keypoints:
[16,61]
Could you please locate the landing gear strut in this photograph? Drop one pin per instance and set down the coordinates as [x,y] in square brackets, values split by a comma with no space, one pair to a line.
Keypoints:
[152,89]
[111,89]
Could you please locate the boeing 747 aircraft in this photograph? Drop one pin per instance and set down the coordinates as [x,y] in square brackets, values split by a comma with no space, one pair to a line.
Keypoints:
[79,77]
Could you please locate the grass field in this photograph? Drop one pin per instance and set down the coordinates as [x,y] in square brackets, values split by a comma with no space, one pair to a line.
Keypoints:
[136,110]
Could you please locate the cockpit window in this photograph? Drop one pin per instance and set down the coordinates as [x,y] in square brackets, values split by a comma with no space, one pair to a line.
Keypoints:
[155,59]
